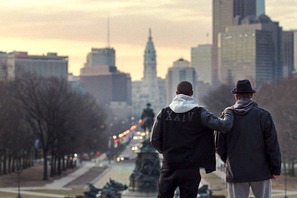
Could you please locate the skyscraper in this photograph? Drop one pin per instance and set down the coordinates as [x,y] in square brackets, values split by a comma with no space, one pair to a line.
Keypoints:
[222,17]
[101,79]
[251,50]
[49,65]
[180,71]
[201,61]
[227,13]
[100,57]
[288,53]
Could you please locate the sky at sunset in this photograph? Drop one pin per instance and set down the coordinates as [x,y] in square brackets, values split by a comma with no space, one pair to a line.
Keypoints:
[72,27]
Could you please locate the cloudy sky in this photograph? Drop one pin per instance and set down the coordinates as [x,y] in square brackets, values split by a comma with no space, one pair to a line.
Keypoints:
[73,27]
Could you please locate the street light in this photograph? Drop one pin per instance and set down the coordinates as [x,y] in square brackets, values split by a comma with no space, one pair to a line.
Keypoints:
[285,172]
[18,172]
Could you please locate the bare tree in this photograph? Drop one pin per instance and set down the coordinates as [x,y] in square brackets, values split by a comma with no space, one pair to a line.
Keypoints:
[217,100]
[58,116]
[15,138]
[280,99]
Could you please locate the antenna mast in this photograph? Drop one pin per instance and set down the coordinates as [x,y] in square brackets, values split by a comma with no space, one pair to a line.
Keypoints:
[108,32]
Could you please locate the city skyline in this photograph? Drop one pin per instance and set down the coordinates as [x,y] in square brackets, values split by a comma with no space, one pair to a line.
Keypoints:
[72,27]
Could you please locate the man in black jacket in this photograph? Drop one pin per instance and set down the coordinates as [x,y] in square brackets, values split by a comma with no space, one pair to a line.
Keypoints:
[183,134]
[250,150]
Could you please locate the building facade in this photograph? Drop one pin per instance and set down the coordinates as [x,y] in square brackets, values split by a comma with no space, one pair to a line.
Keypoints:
[19,63]
[201,62]
[110,87]
[251,50]
[227,13]
[288,53]
[3,66]
[100,57]
[151,88]
[180,71]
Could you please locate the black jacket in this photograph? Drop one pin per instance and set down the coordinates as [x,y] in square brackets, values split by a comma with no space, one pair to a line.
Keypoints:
[250,150]
[183,133]
[183,140]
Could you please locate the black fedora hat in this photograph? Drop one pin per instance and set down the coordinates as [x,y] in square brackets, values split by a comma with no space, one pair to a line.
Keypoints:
[243,86]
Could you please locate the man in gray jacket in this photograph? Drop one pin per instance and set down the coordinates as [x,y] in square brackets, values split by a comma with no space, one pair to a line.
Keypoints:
[250,150]
[183,134]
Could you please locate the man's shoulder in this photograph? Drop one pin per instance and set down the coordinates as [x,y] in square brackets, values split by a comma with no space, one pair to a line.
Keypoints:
[193,109]
[262,110]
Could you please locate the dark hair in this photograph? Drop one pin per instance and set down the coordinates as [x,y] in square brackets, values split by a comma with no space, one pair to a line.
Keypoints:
[184,87]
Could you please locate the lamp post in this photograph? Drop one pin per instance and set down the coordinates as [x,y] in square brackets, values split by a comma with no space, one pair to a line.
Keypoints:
[18,172]
[285,172]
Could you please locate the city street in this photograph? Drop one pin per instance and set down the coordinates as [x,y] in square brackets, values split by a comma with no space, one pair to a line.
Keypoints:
[119,171]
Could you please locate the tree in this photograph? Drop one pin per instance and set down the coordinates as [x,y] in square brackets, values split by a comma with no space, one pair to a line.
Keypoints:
[15,138]
[217,100]
[58,116]
[280,99]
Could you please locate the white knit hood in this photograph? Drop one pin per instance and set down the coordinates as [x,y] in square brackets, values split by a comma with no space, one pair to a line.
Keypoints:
[182,103]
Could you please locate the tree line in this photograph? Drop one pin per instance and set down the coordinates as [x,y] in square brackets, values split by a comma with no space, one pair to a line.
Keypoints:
[279,98]
[47,115]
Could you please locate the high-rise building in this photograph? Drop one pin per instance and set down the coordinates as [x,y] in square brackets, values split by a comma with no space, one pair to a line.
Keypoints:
[110,87]
[180,71]
[3,66]
[201,61]
[288,53]
[251,50]
[100,57]
[260,7]
[227,13]
[295,50]
[50,65]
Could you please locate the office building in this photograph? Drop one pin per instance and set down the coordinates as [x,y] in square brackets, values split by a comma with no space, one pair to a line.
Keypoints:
[251,50]
[288,53]
[50,65]
[99,57]
[3,66]
[180,71]
[101,79]
[227,13]
[295,50]
[201,62]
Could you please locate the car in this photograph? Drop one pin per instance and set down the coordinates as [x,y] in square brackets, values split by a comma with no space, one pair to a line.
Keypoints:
[122,158]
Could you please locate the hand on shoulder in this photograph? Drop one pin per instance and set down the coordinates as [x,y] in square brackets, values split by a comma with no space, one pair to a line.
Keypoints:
[228,108]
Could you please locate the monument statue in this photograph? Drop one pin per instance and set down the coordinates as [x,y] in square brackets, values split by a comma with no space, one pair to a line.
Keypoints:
[147,118]
[147,170]
[111,189]
[144,179]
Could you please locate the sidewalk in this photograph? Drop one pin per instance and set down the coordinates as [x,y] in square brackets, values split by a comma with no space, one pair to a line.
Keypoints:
[58,184]
[121,173]
[216,182]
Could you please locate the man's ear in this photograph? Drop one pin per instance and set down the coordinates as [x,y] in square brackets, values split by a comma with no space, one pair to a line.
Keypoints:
[176,93]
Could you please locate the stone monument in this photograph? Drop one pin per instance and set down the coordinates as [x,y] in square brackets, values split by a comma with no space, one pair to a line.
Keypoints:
[144,179]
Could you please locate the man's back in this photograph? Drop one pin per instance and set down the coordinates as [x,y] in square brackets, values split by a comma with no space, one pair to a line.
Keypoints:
[180,133]
[246,147]
[250,148]
[185,137]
